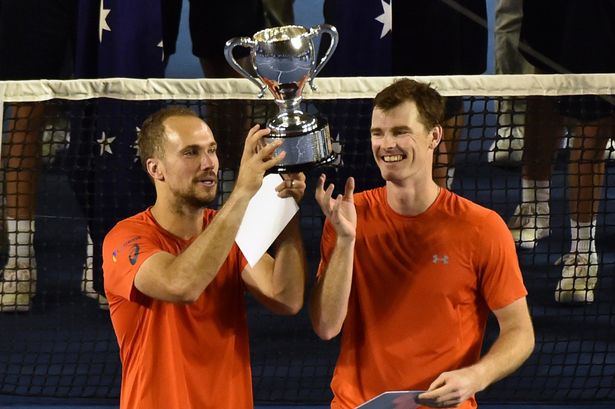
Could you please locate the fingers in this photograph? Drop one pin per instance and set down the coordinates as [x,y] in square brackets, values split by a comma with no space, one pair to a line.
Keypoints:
[263,153]
[432,395]
[255,146]
[271,160]
[443,393]
[320,185]
[286,184]
[266,152]
[439,382]
[323,197]
[349,190]
[293,186]
[292,181]
[257,158]
[335,211]
[320,188]
[255,134]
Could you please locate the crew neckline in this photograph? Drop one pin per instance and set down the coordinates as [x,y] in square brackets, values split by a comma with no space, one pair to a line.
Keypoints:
[441,194]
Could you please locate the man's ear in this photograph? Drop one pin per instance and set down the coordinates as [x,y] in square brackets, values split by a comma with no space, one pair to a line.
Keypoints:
[154,169]
[436,136]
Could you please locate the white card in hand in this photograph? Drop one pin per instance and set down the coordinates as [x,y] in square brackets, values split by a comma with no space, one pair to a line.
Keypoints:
[393,400]
[265,218]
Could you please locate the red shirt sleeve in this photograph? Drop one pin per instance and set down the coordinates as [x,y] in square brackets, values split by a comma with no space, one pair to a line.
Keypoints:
[500,277]
[125,249]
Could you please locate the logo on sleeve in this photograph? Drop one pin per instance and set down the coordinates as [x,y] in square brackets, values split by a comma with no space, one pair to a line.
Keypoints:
[134,254]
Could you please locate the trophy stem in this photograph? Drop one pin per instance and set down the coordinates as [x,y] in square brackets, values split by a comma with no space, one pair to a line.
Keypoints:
[288,105]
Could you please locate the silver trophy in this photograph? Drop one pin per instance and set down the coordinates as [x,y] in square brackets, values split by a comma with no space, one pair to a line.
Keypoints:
[284,58]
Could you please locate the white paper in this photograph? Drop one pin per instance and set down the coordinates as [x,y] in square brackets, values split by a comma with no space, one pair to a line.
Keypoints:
[266,216]
[393,400]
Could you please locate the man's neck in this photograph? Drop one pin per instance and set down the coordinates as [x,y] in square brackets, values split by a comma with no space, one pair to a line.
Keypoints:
[412,199]
[182,221]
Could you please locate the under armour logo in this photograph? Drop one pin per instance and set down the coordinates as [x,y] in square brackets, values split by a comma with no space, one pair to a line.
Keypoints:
[437,259]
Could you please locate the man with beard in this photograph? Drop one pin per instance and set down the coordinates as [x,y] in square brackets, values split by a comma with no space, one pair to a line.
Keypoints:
[412,271]
[175,279]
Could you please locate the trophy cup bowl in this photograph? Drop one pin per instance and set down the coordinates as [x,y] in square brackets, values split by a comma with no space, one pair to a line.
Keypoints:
[284,58]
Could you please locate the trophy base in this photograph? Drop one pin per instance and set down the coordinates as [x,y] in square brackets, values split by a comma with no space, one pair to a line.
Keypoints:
[304,151]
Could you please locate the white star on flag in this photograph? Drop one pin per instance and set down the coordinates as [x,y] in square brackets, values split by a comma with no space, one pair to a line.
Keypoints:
[386,18]
[135,145]
[105,144]
[102,23]
[161,45]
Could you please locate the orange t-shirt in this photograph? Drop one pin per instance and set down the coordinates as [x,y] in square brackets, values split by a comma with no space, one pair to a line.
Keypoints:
[422,289]
[176,356]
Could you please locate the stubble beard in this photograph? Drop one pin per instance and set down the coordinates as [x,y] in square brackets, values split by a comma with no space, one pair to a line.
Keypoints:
[194,200]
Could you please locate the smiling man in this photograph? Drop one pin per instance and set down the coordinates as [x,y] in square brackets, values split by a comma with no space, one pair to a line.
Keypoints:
[411,272]
[175,280]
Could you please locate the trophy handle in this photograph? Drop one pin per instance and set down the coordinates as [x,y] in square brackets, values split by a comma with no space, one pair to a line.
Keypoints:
[318,30]
[228,54]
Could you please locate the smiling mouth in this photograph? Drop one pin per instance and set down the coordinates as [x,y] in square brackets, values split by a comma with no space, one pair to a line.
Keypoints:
[392,158]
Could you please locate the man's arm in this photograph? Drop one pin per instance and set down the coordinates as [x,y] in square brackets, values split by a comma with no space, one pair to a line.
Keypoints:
[329,299]
[279,283]
[512,347]
[184,277]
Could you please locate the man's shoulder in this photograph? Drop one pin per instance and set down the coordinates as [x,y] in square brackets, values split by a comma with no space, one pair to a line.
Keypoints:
[140,219]
[466,206]
[140,223]
[370,197]
[469,213]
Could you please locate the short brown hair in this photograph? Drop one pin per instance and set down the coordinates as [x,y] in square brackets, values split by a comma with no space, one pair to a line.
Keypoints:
[429,102]
[152,134]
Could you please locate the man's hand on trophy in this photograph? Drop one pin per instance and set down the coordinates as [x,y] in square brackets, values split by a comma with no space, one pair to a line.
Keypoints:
[293,186]
[256,159]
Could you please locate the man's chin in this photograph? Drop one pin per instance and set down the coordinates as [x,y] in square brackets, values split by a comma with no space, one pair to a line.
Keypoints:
[386,174]
[390,177]
[200,201]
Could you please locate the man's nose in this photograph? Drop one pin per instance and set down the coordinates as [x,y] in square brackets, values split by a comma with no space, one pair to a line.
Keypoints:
[388,141]
[208,161]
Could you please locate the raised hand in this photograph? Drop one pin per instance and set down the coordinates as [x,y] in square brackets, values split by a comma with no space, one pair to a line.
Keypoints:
[292,186]
[257,159]
[340,211]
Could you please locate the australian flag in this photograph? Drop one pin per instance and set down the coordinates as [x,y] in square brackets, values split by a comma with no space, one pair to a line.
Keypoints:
[407,37]
[116,38]
[365,37]
[119,38]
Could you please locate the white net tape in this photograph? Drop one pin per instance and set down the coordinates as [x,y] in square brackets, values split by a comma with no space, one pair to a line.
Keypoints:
[328,88]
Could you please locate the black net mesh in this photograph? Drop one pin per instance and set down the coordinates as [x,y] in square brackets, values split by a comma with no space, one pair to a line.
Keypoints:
[72,165]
